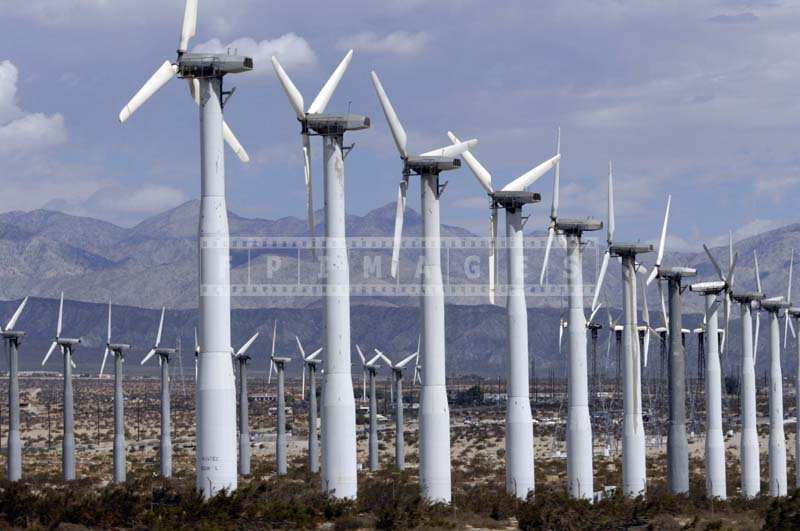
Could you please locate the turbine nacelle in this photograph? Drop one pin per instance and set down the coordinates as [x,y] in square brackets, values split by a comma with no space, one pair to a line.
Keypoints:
[577,226]
[676,272]
[775,304]
[747,298]
[709,288]
[203,65]
[336,124]
[68,342]
[119,347]
[431,165]
[630,249]
[515,200]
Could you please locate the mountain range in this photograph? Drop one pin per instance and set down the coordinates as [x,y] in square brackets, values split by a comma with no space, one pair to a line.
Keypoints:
[155,263]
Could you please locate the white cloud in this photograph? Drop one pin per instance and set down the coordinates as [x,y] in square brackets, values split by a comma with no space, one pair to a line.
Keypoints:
[22,132]
[292,50]
[395,43]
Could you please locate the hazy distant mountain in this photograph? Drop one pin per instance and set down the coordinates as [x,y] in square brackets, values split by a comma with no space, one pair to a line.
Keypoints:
[155,263]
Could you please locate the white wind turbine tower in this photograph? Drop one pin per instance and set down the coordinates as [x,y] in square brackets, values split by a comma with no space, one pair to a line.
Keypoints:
[777,439]
[716,486]
[164,355]
[371,369]
[677,442]
[339,466]
[749,453]
[519,423]
[13,338]
[118,350]
[310,363]
[399,423]
[580,478]
[434,421]
[634,471]
[242,359]
[67,346]
[277,364]
[216,399]
[794,313]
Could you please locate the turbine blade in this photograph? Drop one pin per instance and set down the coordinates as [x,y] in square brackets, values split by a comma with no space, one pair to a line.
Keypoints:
[646,345]
[309,189]
[550,233]
[789,288]
[714,263]
[712,309]
[663,240]
[103,365]
[160,326]
[233,143]
[148,356]
[557,179]
[398,225]
[14,318]
[600,277]
[757,274]
[314,354]
[324,96]
[160,78]
[526,179]
[405,361]
[594,312]
[481,173]
[274,336]
[247,345]
[560,333]
[361,355]
[60,315]
[663,304]
[108,334]
[611,220]
[295,98]
[303,385]
[300,347]
[453,150]
[271,369]
[196,344]
[398,133]
[49,352]
[189,29]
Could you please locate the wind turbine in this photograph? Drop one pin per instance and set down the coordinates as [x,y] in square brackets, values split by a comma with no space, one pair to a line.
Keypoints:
[67,346]
[310,363]
[716,486]
[339,465]
[749,453]
[277,364]
[399,424]
[13,338]
[118,350]
[580,478]
[371,368]
[512,198]
[634,471]
[216,398]
[777,439]
[434,421]
[242,358]
[677,443]
[164,355]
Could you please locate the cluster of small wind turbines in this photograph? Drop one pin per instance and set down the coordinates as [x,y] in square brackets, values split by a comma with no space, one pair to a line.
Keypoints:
[216,403]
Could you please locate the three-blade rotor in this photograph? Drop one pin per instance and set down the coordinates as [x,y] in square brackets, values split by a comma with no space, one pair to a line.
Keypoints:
[169,70]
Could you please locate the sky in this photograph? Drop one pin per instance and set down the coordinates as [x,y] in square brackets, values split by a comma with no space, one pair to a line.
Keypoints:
[694,99]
